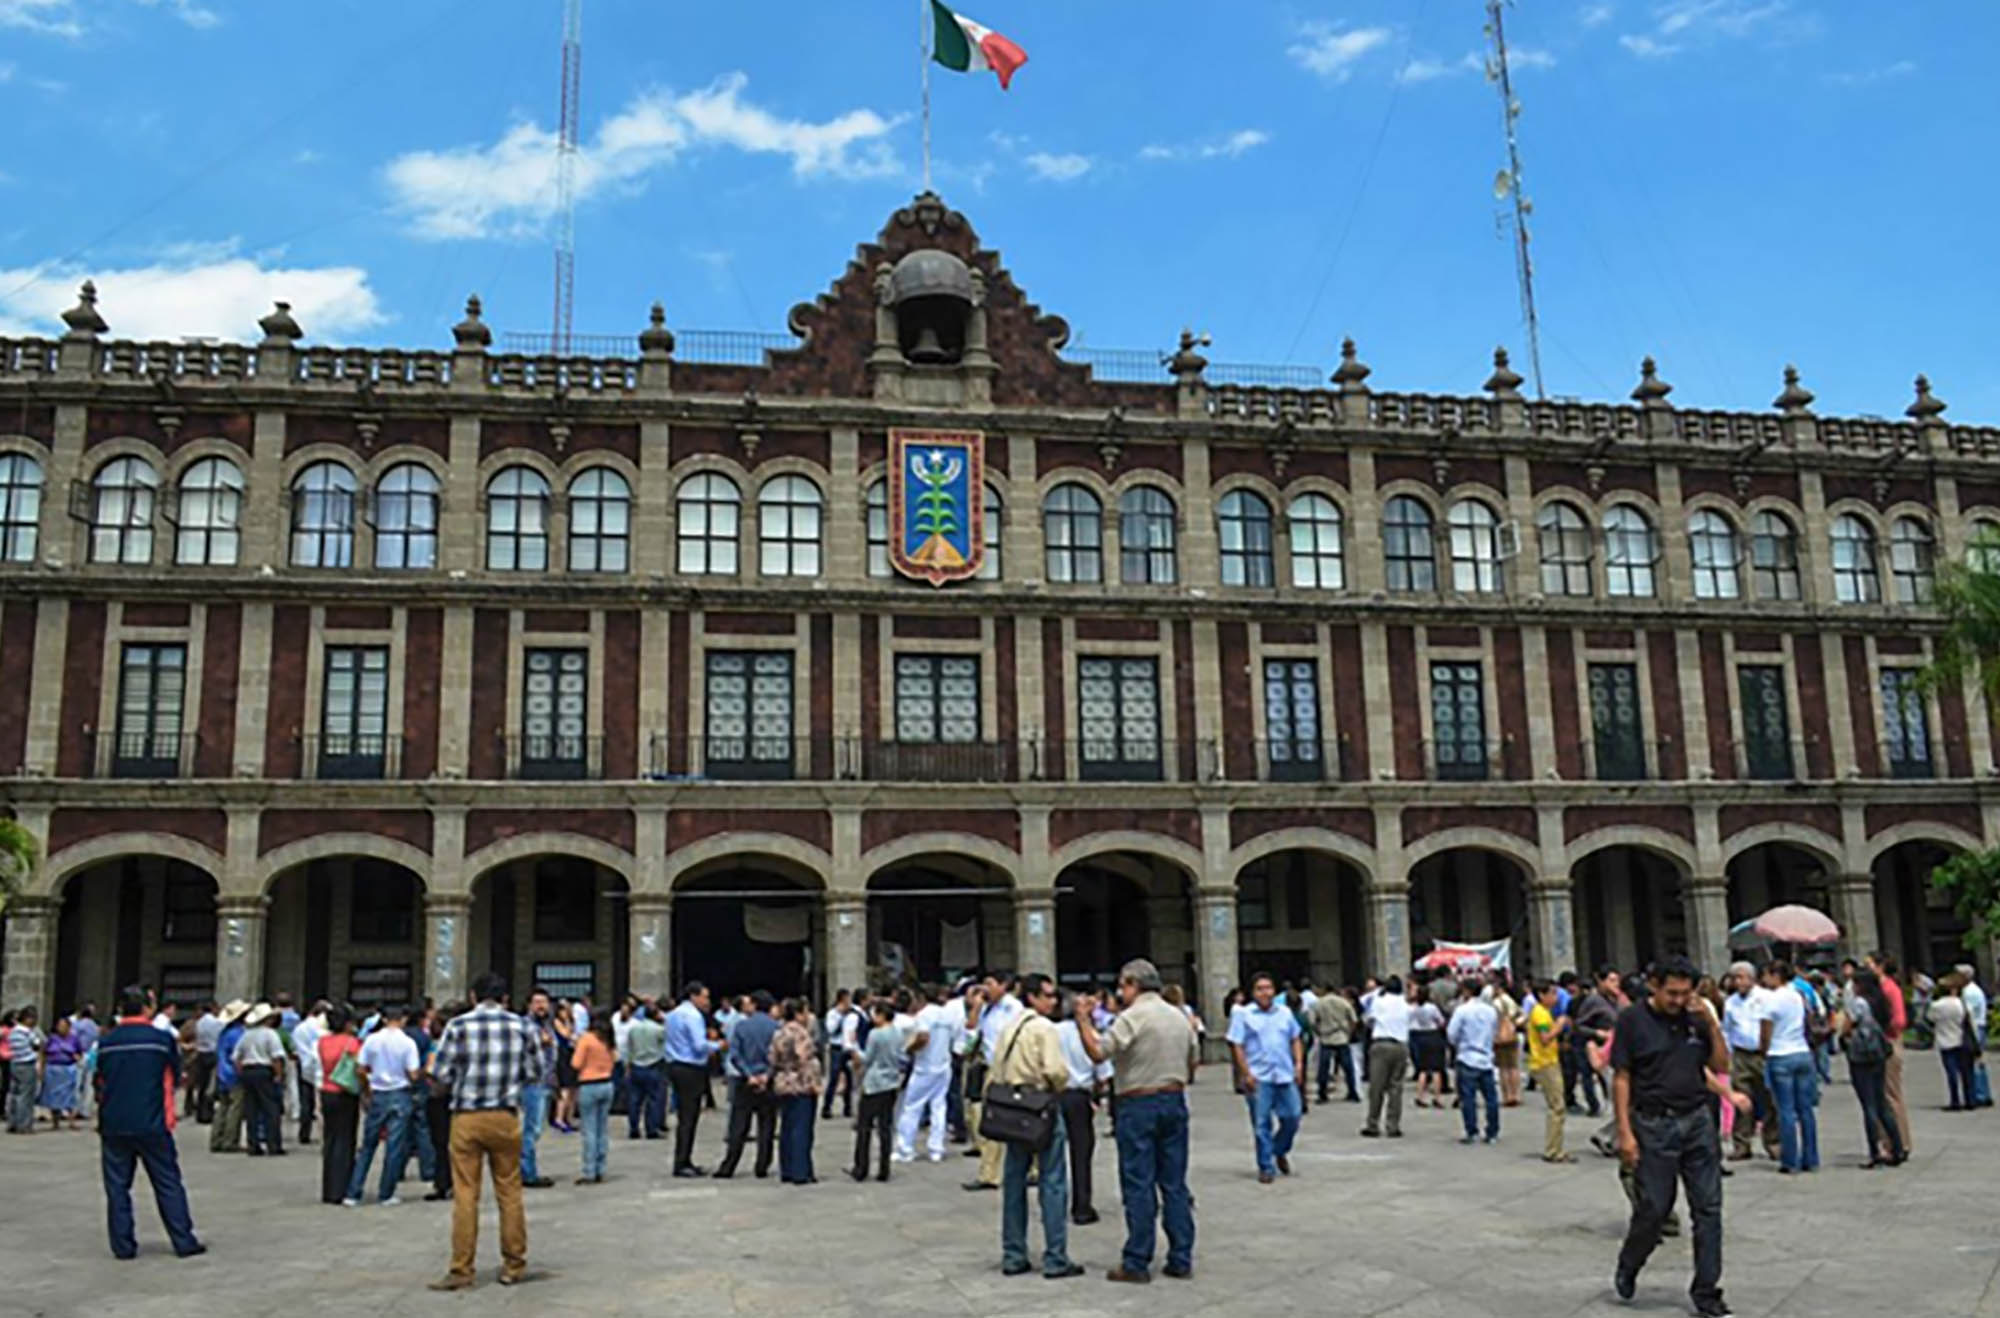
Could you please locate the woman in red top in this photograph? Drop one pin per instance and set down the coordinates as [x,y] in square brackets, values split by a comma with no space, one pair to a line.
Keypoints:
[339,1107]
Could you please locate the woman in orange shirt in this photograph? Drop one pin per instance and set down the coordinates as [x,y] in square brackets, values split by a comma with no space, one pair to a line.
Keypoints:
[595,1054]
[339,1107]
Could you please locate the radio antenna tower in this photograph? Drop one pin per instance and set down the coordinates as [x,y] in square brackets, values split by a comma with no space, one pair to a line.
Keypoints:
[1507,184]
[572,77]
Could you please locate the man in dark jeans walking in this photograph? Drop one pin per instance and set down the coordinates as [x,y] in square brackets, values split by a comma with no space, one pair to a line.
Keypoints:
[137,1068]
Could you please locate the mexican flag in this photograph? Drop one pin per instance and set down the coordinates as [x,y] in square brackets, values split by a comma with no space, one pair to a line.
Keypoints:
[966,46]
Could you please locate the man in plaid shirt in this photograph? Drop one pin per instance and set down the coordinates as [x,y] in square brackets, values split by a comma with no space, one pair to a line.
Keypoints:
[484,1059]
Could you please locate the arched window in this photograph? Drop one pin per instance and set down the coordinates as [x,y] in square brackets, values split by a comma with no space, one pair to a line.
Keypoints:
[517,521]
[1982,546]
[121,513]
[991,511]
[788,510]
[323,516]
[600,522]
[1774,557]
[20,506]
[1630,551]
[1146,537]
[1073,534]
[1319,559]
[1856,576]
[1912,560]
[1475,547]
[1245,522]
[406,518]
[1409,550]
[877,501]
[707,509]
[1563,540]
[1712,541]
[211,514]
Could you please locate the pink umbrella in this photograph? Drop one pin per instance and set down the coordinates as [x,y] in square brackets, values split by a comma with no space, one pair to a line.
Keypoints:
[1799,925]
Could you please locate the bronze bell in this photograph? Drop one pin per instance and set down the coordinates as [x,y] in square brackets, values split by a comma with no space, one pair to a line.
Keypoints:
[928,350]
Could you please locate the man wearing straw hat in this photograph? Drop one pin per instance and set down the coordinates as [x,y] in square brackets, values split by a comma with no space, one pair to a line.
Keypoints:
[226,1135]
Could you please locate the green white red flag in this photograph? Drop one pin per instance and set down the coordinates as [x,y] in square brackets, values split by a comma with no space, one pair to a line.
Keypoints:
[969,47]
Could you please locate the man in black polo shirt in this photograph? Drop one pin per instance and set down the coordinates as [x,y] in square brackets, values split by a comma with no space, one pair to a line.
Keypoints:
[1662,1053]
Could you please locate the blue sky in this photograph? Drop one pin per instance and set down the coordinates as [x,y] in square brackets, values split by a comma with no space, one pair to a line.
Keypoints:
[1726,184]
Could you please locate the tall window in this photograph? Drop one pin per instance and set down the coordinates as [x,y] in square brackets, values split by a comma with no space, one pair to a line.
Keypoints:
[1856,578]
[877,501]
[1475,547]
[555,714]
[565,900]
[1906,729]
[1318,554]
[1245,522]
[382,903]
[210,514]
[937,698]
[152,692]
[991,511]
[788,510]
[1291,719]
[1563,538]
[600,522]
[1774,557]
[1118,718]
[1458,721]
[406,518]
[1912,561]
[517,521]
[1146,537]
[121,516]
[706,512]
[1409,550]
[1630,551]
[1982,547]
[354,716]
[1615,723]
[1767,724]
[1073,532]
[187,908]
[323,516]
[749,698]
[20,506]
[1712,541]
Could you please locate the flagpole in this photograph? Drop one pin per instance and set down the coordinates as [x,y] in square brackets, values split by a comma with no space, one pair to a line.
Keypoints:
[924,69]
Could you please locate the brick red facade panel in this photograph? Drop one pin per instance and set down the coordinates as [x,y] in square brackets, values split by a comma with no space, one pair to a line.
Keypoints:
[1407,467]
[1581,819]
[1117,629]
[1862,488]
[1722,484]
[1716,699]
[1951,720]
[1183,663]
[819,708]
[1734,819]
[359,617]
[1452,638]
[423,677]
[1663,666]
[1052,697]
[750,624]
[1811,672]
[485,827]
[286,709]
[1899,645]
[32,422]
[1559,643]
[1249,825]
[280,828]
[1615,479]
[1760,642]
[679,691]
[1055,454]
[496,436]
[708,441]
[1350,704]
[812,445]
[83,678]
[1006,692]
[1406,720]
[1511,683]
[426,432]
[1881,818]
[17,673]
[1289,633]
[1239,750]
[1603,639]
[871,679]
[221,656]
[622,662]
[1421,821]
[159,614]
[1861,706]
[1978,494]
[939,628]
[1243,459]
[1066,826]
[880,826]
[573,622]
[687,827]
[68,827]
[108,423]
[872,447]
[486,755]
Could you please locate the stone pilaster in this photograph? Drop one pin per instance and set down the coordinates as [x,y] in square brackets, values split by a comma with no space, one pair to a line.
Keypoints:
[652,951]
[239,947]
[1035,931]
[447,934]
[1215,944]
[1854,911]
[1551,916]
[1389,928]
[30,924]
[1707,898]
[846,942]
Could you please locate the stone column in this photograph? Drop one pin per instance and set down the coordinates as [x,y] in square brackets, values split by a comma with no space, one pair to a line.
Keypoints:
[1389,929]
[1707,898]
[447,934]
[846,941]
[239,947]
[1035,931]
[1550,914]
[652,952]
[31,954]
[1854,910]
[1215,946]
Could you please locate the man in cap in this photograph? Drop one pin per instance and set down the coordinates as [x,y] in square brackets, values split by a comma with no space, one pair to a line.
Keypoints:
[226,1135]
[259,1057]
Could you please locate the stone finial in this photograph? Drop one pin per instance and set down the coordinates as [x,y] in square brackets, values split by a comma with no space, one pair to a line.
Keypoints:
[1796,400]
[280,330]
[82,319]
[1352,371]
[1928,406]
[1187,364]
[471,334]
[656,340]
[1505,382]
[1652,390]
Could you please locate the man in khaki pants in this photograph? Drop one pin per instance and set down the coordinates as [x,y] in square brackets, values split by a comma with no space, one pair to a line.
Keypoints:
[1545,1064]
[988,1014]
[484,1058]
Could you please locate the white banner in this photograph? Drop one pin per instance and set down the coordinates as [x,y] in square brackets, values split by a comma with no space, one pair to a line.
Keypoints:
[777,924]
[958,945]
[1496,955]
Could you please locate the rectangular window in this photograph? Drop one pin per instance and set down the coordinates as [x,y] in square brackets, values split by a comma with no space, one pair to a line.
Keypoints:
[1118,718]
[354,715]
[381,903]
[187,985]
[188,909]
[555,714]
[1906,730]
[749,714]
[1253,901]
[567,979]
[1767,725]
[1615,723]
[152,690]
[1458,721]
[937,698]
[565,901]
[1291,719]
[379,986]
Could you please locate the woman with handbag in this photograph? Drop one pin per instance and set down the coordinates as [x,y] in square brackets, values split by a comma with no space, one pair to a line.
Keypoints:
[340,1104]
[795,1081]
[1021,1114]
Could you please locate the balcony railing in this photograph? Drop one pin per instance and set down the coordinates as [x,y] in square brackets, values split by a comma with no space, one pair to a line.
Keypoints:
[1614,761]
[350,757]
[1464,761]
[1768,761]
[144,754]
[538,757]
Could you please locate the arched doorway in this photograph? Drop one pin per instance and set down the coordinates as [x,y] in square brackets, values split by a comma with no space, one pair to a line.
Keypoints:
[1920,924]
[1301,915]
[558,921]
[934,917]
[136,920]
[1470,895]
[1118,905]
[346,928]
[750,922]
[1629,908]
[1777,874]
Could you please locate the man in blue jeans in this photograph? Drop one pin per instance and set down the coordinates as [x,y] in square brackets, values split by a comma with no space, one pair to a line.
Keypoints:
[1029,1057]
[138,1067]
[1270,1071]
[1473,1025]
[389,1064]
[1151,1046]
[535,1098]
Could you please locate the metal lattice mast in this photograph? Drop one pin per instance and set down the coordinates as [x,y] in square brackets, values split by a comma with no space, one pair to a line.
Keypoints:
[566,134]
[1509,185]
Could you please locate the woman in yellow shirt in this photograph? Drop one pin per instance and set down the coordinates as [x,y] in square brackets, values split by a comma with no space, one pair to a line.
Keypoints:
[595,1054]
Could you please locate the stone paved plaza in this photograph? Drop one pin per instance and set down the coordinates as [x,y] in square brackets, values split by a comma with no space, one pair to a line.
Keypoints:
[1410,1228]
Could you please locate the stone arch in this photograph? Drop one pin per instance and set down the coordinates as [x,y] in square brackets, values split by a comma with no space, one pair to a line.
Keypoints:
[300,458]
[107,451]
[1168,849]
[197,450]
[1519,850]
[1823,847]
[529,845]
[1074,475]
[1339,845]
[1261,486]
[723,845]
[15,441]
[59,869]
[397,454]
[1657,841]
[1002,858]
[1728,510]
[1422,493]
[1948,836]
[579,463]
[330,846]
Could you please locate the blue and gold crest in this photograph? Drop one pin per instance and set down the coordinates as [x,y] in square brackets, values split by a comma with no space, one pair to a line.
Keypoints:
[937,505]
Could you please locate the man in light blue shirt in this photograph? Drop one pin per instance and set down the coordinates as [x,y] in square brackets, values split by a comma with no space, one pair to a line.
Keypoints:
[689,1048]
[1271,1069]
[1471,1032]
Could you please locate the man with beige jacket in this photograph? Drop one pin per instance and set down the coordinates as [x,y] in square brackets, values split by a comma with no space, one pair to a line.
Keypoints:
[1029,1054]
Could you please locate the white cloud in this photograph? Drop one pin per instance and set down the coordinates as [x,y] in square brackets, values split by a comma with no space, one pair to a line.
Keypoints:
[205,290]
[508,188]
[306,156]
[55,17]
[1063,168]
[1332,52]
[1238,143]
[1647,48]
[1519,59]
[1678,24]
[1902,68]
[188,11]
[1595,15]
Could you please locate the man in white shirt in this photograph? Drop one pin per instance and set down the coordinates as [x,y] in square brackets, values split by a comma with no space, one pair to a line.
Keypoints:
[1974,998]
[931,1041]
[843,1021]
[997,1007]
[305,1044]
[1388,1017]
[1470,1033]
[1079,1108]
[1745,1018]
[389,1062]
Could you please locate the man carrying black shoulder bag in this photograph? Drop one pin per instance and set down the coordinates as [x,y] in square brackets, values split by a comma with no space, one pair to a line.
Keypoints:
[1021,1111]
